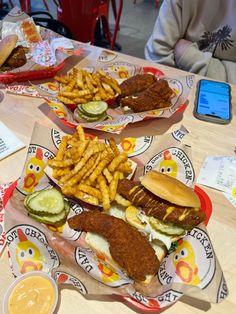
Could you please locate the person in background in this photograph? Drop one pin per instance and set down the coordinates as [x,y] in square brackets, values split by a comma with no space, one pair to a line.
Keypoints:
[198,36]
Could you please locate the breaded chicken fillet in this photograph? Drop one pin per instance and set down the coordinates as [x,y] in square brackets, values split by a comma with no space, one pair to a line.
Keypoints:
[128,247]
[156,96]
[136,84]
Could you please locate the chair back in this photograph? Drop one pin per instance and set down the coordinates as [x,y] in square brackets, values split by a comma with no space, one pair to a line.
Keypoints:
[46,20]
[81,16]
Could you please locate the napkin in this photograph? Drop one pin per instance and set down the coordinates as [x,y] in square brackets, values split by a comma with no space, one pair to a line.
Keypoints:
[9,143]
[219,172]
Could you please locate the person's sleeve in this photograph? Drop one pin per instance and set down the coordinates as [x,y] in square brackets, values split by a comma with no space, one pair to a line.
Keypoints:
[199,62]
[167,31]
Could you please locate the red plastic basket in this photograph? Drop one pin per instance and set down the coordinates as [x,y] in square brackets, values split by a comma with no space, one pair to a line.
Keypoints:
[206,206]
[30,75]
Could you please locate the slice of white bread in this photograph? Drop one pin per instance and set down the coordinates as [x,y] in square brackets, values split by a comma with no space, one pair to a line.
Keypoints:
[100,246]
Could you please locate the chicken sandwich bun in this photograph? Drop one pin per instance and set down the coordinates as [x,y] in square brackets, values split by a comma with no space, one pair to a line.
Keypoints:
[7,44]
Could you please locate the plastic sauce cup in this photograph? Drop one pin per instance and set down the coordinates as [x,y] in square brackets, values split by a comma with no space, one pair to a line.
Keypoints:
[34,292]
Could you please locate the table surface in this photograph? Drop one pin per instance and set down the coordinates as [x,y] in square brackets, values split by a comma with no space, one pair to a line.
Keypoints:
[19,114]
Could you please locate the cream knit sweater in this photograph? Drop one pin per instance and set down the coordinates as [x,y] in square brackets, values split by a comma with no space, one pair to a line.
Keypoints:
[211,27]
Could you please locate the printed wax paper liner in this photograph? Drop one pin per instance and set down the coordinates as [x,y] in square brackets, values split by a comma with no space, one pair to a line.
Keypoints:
[191,269]
[117,119]
[60,47]
[3,189]
[51,88]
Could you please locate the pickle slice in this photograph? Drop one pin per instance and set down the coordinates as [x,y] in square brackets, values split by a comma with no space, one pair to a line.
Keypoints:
[67,207]
[55,220]
[29,197]
[83,116]
[165,228]
[94,108]
[46,202]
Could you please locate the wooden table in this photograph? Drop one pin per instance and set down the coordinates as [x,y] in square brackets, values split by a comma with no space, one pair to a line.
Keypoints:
[19,114]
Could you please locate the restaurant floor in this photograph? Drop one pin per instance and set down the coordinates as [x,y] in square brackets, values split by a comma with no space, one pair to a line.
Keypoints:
[136,24]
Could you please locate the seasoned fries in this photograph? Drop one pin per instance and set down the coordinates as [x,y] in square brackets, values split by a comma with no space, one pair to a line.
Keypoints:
[80,86]
[90,170]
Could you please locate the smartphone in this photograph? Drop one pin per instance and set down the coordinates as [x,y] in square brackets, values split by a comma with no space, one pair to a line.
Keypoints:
[213,102]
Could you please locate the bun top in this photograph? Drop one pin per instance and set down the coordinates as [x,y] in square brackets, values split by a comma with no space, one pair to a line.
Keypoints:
[170,189]
[7,44]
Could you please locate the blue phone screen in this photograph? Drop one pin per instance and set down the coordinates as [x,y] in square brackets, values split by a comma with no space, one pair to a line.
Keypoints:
[214,99]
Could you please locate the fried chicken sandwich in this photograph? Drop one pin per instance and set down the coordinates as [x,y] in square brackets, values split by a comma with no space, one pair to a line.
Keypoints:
[162,207]
[11,57]
[137,238]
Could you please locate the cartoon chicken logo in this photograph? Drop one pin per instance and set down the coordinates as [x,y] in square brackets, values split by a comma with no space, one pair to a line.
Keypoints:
[58,109]
[108,272]
[34,171]
[28,256]
[185,265]
[111,128]
[121,71]
[168,165]
[52,86]
[128,144]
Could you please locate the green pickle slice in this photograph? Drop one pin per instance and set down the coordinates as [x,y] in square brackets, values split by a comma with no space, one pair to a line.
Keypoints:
[82,115]
[47,206]
[94,108]
[46,202]
[29,197]
[55,220]
[67,207]
[165,228]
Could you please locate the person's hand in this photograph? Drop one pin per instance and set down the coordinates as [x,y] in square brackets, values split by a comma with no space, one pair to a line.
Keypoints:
[180,47]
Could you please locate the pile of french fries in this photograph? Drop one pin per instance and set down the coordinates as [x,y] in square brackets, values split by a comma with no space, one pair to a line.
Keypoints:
[80,86]
[90,170]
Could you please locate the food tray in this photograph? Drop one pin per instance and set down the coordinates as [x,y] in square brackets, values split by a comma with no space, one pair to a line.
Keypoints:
[206,205]
[31,75]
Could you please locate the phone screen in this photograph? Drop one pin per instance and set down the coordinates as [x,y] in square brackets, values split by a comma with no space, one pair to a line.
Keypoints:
[214,99]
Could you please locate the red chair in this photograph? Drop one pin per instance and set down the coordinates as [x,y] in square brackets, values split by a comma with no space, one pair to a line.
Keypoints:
[117,16]
[26,5]
[81,17]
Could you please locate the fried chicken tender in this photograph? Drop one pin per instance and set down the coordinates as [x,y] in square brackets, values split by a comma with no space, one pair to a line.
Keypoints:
[155,96]
[136,84]
[156,207]
[128,247]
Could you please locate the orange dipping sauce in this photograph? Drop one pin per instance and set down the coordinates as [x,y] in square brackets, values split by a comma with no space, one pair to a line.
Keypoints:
[32,295]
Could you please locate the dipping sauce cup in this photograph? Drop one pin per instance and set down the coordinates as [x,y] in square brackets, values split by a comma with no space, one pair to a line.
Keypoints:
[34,292]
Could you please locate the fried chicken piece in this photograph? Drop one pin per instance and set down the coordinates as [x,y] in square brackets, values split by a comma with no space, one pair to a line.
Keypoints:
[128,247]
[136,84]
[17,58]
[156,207]
[155,96]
